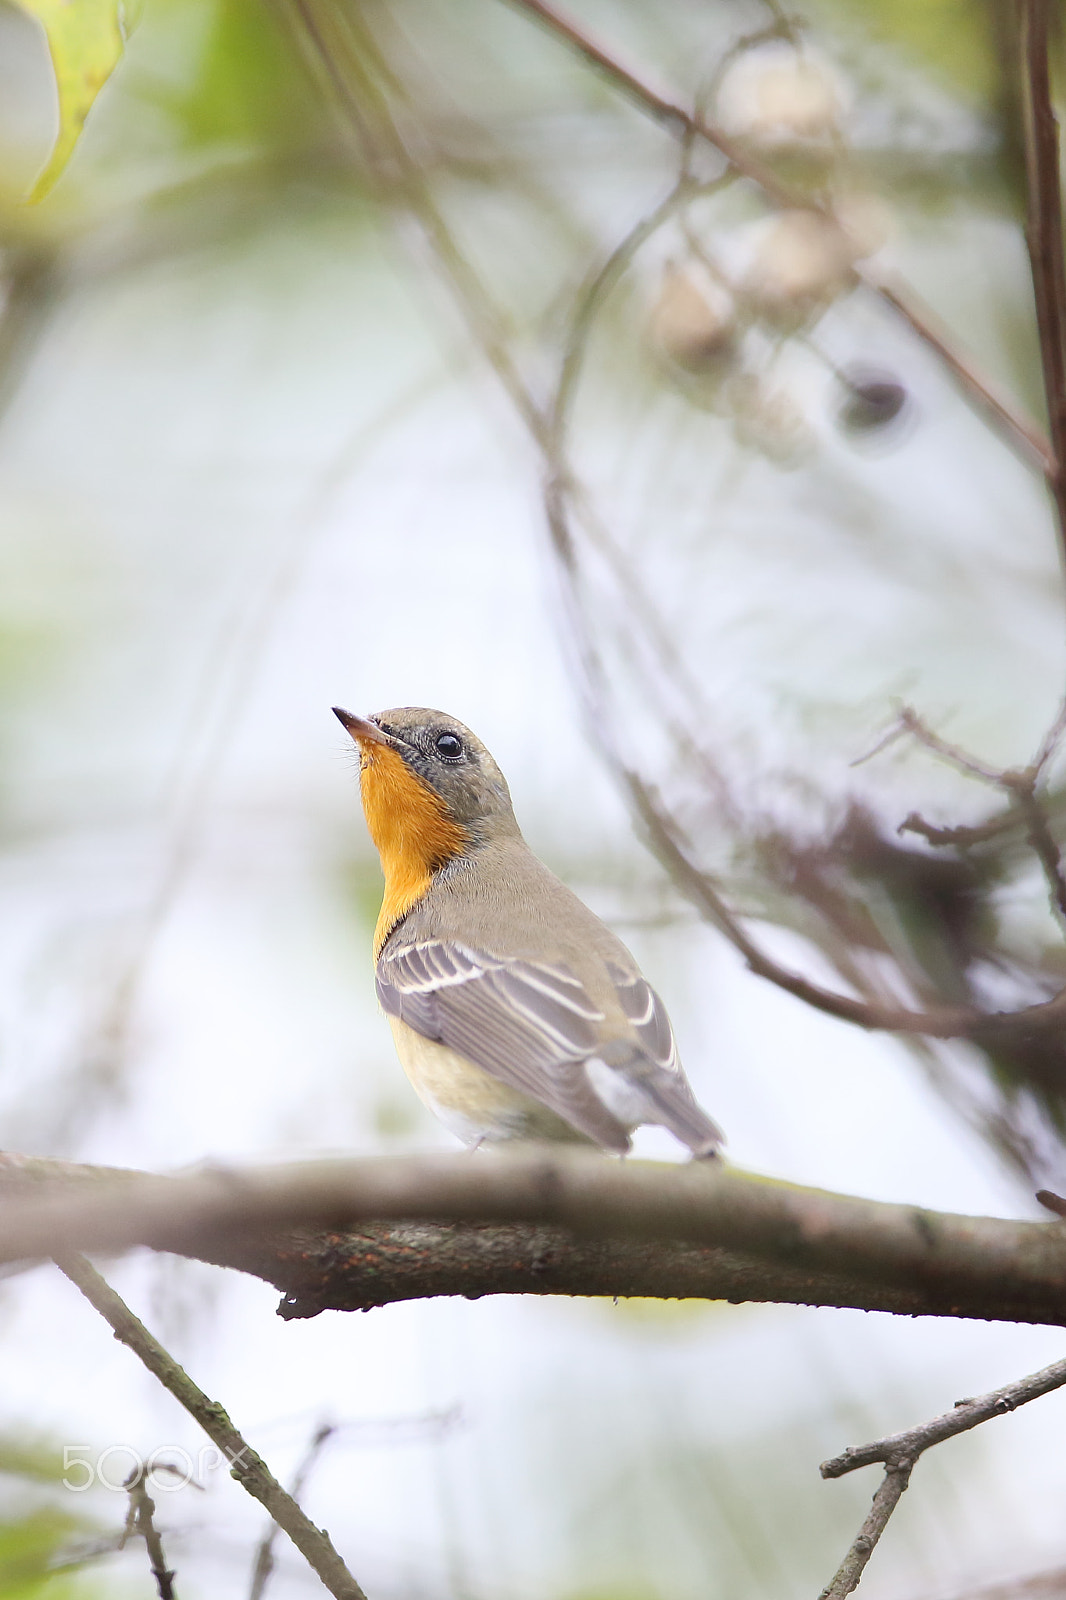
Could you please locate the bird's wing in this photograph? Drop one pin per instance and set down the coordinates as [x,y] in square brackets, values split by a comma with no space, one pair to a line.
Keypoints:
[531,1024]
[647,1014]
[658,1070]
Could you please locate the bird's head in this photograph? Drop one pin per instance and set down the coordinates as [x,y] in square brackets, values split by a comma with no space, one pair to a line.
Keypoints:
[427,783]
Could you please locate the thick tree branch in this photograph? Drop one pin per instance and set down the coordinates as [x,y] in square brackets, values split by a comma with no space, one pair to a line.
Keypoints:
[900,1452]
[1043,235]
[250,1471]
[565,1223]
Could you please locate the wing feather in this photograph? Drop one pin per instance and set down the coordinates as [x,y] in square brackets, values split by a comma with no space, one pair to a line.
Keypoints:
[646,1012]
[533,1025]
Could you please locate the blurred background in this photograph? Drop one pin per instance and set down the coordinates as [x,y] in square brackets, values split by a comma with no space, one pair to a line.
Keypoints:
[326,297]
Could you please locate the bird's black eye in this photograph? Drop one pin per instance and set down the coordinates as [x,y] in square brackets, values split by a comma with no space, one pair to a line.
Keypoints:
[448,746]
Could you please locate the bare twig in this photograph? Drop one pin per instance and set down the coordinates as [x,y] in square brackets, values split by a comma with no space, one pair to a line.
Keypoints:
[937,1022]
[1049,743]
[964,1415]
[910,722]
[264,1557]
[886,1499]
[900,1451]
[1019,783]
[1044,845]
[961,837]
[1015,426]
[1043,234]
[141,1520]
[961,1265]
[245,1465]
[1019,430]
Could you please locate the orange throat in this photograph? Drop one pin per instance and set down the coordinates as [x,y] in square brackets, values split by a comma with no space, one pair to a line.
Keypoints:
[411,827]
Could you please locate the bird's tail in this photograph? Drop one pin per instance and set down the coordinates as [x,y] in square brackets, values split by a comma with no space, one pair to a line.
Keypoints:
[680,1113]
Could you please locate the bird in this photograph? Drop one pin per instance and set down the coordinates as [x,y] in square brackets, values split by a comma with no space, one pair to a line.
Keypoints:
[516,1013]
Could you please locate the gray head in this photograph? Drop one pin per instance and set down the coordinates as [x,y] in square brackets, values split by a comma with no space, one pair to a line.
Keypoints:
[445,757]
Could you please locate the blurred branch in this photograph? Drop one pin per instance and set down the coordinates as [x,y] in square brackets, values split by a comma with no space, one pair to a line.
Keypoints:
[697,885]
[264,1558]
[1047,1585]
[343,52]
[961,838]
[777,1241]
[1020,784]
[936,1022]
[1018,429]
[1043,235]
[224,690]
[141,1520]
[900,1451]
[245,1465]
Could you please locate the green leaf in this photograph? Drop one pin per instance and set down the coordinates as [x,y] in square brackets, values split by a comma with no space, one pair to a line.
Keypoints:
[85,41]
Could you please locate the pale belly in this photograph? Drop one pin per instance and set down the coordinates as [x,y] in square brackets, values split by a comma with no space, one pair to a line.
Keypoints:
[470,1102]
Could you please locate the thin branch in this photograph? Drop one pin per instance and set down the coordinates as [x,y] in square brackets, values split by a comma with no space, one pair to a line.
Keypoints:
[141,1520]
[886,1499]
[1049,743]
[910,722]
[874,1252]
[1020,784]
[1025,437]
[245,1465]
[323,33]
[1044,847]
[938,1022]
[900,1451]
[1043,235]
[964,1415]
[1019,430]
[264,1557]
[961,838]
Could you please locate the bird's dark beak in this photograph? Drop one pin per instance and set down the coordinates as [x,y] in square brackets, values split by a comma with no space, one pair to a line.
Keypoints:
[360,728]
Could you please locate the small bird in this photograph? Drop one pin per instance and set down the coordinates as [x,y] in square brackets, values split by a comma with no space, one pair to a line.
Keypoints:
[516,1012]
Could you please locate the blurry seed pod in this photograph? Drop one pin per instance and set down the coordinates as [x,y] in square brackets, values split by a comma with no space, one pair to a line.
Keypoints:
[692,323]
[776,95]
[875,405]
[801,263]
[769,421]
